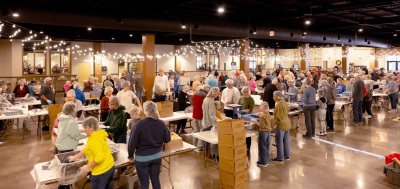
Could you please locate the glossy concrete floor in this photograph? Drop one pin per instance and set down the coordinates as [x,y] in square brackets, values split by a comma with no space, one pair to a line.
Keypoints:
[314,163]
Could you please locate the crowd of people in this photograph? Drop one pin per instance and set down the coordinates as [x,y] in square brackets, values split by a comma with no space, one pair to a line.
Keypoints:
[211,97]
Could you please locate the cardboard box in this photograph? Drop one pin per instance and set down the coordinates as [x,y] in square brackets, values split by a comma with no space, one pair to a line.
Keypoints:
[233,166]
[165,109]
[230,126]
[233,180]
[234,140]
[175,143]
[232,153]
[166,113]
[165,105]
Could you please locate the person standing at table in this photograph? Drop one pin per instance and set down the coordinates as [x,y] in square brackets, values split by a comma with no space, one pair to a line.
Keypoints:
[282,122]
[197,102]
[358,96]
[248,104]
[330,96]
[209,110]
[340,87]
[367,101]
[31,87]
[98,153]
[230,95]
[117,121]
[68,131]
[137,86]
[253,85]
[47,97]
[21,90]
[370,82]
[146,142]
[184,80]
[196,83]
[183,102]
[321,112]
[78,92]
[392,90]
[104,103]
[79,113]
[212,81]
[292,89]
[126,96]
[309,106]
[269,90]
[162,81]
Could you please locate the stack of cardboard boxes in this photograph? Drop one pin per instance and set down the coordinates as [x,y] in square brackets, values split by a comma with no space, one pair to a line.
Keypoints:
[232,154]
[165,109]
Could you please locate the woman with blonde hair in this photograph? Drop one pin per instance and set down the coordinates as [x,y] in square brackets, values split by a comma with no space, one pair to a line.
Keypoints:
[196,83]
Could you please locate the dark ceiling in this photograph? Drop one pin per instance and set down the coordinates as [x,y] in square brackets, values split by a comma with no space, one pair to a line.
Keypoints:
[115,20]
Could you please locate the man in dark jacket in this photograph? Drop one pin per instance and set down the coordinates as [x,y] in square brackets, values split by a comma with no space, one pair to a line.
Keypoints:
[358,96]
[269,91]
[116,121]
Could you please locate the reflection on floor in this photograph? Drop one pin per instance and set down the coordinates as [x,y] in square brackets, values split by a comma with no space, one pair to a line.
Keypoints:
[313,163]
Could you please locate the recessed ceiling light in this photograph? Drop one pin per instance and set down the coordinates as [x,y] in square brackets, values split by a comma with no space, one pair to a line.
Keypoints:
[307,22]
[360,30]
[221,10]
[89,29]
[15,14]
[112,38]
[183,26]
[41,32]
[395,34]
[130,35]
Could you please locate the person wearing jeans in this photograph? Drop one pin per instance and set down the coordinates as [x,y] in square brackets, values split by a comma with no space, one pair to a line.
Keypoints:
[282,122]
[392,90]
[98,153]
[309,107]
[330,95]
[264,127]
[146,142]
[358,97]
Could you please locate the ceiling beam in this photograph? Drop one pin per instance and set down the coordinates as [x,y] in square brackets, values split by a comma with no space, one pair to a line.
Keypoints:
[397,13]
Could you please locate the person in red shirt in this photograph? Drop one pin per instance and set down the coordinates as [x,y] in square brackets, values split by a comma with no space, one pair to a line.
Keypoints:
[197,101]
[21,90]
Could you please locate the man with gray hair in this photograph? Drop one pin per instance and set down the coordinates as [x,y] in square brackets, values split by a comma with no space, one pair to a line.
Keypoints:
[358,96]
[47,97]
[230,95]
[116,120]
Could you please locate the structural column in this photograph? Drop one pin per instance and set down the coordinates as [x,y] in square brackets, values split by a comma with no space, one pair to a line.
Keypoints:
[149,65]
[97,62]
[178,64]
[344,59]
[304,54]
[244,57]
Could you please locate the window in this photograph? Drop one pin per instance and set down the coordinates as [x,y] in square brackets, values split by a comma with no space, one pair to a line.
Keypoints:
[393,62]
[60,63]
[199,62]
[33,62]
[253,62]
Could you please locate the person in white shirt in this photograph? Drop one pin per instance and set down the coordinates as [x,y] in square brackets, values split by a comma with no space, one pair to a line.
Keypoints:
[126,96]
[230,95]
[162,81]
[370,82]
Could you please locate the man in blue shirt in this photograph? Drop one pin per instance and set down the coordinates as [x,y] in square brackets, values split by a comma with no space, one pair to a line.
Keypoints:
[340,87]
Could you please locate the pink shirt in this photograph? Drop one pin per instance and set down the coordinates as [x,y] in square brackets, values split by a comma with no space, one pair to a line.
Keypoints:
[67,87]
[252,85]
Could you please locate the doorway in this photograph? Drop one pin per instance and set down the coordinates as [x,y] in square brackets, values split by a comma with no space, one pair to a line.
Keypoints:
[84,71]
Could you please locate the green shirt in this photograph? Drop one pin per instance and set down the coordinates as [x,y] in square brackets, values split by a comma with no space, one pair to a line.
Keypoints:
[247,103]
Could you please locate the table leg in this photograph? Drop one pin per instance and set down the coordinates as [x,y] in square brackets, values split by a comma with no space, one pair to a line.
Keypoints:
[5,134]
[169,169]
[39,128]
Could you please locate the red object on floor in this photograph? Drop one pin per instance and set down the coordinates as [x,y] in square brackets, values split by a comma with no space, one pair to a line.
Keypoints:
[389,158]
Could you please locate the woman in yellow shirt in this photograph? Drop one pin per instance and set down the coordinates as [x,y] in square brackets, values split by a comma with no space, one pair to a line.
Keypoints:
[98,153]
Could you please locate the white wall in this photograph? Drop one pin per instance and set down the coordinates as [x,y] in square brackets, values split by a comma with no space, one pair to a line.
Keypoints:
[361,56]
[287,57]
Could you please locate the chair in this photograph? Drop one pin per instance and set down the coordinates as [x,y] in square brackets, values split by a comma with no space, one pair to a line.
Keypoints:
[54,110]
